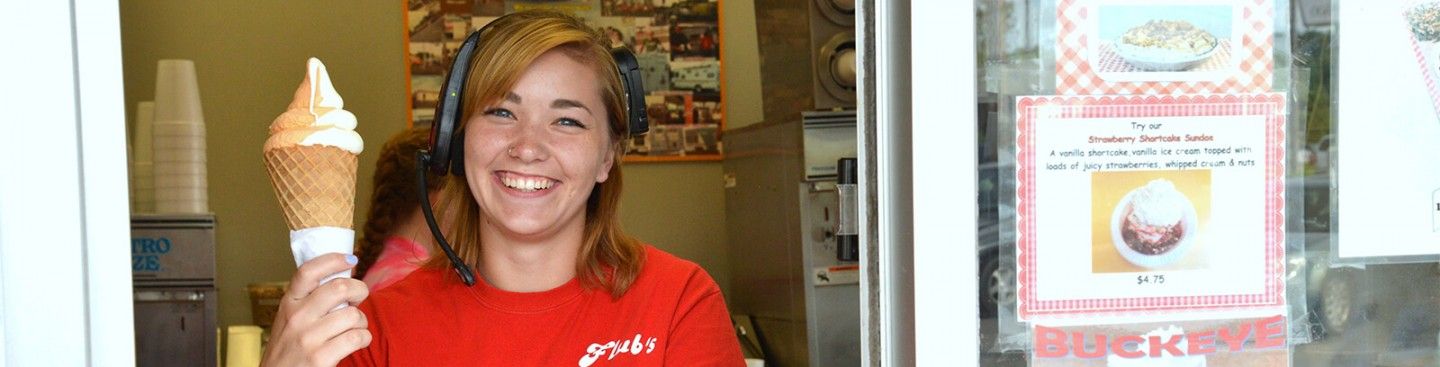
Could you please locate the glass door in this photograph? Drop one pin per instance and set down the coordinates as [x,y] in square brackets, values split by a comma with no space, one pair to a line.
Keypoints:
[1160,182]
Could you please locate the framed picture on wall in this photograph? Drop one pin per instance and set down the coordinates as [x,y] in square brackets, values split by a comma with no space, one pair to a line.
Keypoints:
[676,41]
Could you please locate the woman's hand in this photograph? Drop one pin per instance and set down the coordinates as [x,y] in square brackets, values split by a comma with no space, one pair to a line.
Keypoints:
[308,329]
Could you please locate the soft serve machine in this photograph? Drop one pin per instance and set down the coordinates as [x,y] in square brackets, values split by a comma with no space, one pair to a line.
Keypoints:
[173,271]
[796,273]
[794,269]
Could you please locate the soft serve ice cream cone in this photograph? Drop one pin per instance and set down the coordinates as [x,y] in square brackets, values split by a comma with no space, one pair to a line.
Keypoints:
[311,155]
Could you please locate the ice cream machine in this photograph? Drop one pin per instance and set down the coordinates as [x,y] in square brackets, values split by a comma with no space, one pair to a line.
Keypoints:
[794,267]
[173,271]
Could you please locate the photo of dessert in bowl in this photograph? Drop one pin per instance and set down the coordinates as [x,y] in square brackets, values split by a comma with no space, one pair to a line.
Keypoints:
[1166,45]
[1154,225]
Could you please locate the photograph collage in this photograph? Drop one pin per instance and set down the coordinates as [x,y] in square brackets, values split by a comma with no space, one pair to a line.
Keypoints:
[677,44]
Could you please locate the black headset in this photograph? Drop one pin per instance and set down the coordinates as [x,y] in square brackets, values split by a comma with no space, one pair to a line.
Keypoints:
[447,146]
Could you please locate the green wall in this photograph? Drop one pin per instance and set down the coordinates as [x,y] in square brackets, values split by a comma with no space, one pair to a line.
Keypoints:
[249,58]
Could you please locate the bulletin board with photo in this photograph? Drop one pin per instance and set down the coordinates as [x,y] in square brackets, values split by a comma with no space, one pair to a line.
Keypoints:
[677,43]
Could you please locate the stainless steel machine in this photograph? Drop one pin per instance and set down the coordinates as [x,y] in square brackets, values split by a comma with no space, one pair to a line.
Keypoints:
[781,202]
[782,208]
[173,271]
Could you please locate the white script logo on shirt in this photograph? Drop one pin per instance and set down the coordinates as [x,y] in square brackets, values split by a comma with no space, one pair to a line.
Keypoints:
[633,346]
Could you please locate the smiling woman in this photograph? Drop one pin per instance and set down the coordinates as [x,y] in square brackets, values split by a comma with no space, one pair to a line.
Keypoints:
[543,109]
[534,197]
[536,157]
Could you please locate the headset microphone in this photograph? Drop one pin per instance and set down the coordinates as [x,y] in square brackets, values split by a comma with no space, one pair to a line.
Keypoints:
[422,158]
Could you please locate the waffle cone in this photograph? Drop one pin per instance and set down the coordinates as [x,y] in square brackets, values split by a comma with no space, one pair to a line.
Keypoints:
[315,185]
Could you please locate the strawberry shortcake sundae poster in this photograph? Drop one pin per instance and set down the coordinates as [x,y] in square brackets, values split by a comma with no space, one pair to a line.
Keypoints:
[1149,206]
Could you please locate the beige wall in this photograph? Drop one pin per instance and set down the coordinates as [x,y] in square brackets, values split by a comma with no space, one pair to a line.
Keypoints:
[679,208]
[250,56]
[743,104]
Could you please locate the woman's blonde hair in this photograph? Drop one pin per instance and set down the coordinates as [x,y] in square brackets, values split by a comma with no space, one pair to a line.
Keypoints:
[608,257]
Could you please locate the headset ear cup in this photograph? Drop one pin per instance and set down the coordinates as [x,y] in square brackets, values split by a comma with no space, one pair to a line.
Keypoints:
[629,69]
[449,109]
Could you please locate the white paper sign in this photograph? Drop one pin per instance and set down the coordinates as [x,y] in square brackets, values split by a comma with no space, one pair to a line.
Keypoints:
[1389,172]
[1141,205]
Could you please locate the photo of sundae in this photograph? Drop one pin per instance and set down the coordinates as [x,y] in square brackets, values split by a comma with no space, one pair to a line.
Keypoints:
[1153,225]
[1174,35]
[1166,45]
[1424,21]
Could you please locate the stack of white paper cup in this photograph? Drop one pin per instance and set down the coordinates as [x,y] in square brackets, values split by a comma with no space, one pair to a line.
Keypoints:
[142,164]
[179,141]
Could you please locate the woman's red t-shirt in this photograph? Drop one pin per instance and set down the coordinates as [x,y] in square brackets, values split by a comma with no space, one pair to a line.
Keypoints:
[673,315]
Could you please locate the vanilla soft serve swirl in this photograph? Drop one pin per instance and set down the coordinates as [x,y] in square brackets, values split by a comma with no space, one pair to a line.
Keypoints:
[315,121]
[316,116]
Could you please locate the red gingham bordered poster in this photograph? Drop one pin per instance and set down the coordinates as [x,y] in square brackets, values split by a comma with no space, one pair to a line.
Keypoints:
[1093,56]
[1149,205]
